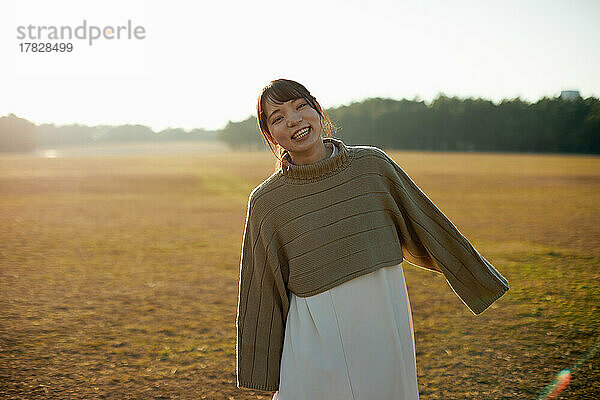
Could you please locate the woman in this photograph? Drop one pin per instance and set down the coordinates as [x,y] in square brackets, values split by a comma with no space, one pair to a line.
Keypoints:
[323,310]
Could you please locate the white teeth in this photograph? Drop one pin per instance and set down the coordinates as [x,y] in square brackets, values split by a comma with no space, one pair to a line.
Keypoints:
[300,133]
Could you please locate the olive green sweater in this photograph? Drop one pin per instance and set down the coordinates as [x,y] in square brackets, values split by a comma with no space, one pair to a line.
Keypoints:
[311,227]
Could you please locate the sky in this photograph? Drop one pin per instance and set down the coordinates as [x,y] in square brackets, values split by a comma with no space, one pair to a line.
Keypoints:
[202,64]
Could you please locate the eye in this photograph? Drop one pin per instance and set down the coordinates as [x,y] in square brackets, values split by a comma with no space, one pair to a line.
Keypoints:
[275,120]
[302,105]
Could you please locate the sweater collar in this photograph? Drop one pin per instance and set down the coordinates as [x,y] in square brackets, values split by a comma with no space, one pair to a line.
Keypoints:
[319,169]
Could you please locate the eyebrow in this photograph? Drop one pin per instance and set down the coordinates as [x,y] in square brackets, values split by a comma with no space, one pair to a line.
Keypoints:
[277,109]
[274,111]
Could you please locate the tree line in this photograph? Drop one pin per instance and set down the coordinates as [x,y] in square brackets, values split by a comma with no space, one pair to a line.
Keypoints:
[447,124]
[452,124]
[18,134]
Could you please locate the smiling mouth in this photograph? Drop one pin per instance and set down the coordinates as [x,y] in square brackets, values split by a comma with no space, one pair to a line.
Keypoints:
[301,133]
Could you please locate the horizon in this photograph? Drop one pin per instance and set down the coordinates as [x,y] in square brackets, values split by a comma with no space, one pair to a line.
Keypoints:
[417,99]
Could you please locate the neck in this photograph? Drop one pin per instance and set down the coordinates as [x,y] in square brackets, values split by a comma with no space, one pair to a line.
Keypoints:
[324,167]
[313,155]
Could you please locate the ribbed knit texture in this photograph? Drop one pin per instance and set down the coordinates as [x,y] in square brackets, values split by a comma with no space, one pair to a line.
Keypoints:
[311,227]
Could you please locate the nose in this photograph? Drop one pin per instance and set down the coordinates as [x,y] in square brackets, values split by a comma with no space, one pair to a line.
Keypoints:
[294,118]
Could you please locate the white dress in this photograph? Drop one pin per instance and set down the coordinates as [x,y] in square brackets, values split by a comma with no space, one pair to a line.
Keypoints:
[354,341]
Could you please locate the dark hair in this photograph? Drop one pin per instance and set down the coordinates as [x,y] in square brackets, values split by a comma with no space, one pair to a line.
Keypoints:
[280,91]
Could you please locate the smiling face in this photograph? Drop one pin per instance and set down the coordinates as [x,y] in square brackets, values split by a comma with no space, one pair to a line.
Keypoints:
[296,127]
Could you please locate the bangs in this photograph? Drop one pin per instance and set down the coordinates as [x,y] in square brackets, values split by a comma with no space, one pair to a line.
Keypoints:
[281,92]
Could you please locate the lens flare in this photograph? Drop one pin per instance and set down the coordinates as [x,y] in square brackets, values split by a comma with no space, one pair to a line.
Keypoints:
[560,382]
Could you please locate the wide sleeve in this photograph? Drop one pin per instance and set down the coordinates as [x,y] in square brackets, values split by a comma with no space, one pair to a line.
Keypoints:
[430,240]
[262,308]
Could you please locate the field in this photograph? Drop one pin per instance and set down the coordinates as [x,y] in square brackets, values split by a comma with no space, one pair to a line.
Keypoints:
[118,275]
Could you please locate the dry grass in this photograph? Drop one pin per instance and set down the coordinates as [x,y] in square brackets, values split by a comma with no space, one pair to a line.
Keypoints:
[118,275]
